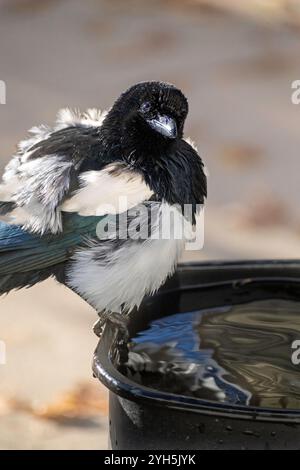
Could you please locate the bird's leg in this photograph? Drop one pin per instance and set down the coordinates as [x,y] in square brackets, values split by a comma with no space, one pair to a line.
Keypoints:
[121,321]
[117,319]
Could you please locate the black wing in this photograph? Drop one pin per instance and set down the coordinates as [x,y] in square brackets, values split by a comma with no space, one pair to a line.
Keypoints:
[45,171]
[64,169]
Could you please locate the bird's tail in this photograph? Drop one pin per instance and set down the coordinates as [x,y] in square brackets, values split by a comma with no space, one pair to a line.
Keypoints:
[10,282]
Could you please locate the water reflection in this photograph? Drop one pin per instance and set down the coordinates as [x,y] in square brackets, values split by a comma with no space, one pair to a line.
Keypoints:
[236,354]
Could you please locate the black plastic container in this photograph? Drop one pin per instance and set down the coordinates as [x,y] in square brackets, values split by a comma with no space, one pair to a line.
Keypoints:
[143,418]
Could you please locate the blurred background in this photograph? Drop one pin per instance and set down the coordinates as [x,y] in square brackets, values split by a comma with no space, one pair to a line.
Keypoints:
[235,60]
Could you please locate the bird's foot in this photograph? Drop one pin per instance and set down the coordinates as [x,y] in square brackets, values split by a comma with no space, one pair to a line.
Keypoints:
[117,319]
[98,327]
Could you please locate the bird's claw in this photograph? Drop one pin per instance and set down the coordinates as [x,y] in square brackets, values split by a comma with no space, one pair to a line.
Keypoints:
[98,327]
[117,319]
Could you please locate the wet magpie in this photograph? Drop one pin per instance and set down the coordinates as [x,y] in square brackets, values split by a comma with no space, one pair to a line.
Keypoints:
[89,171]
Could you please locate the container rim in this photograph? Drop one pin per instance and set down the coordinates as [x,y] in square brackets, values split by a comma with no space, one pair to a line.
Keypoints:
[116,382]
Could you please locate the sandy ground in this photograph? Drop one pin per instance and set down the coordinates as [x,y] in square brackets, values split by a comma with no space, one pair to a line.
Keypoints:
[237,74]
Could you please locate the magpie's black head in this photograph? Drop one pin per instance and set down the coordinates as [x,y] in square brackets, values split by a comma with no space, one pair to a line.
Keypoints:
[144,128]
[148,115]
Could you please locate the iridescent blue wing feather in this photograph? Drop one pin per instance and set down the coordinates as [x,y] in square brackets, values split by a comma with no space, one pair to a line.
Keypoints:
[27,258]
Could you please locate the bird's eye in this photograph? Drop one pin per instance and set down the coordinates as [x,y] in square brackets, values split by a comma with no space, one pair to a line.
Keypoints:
[146,107]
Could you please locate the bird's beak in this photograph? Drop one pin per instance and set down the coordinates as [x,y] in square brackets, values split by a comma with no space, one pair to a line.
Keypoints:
[165,125]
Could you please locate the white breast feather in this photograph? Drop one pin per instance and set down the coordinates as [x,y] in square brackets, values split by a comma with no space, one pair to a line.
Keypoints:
[102,192]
